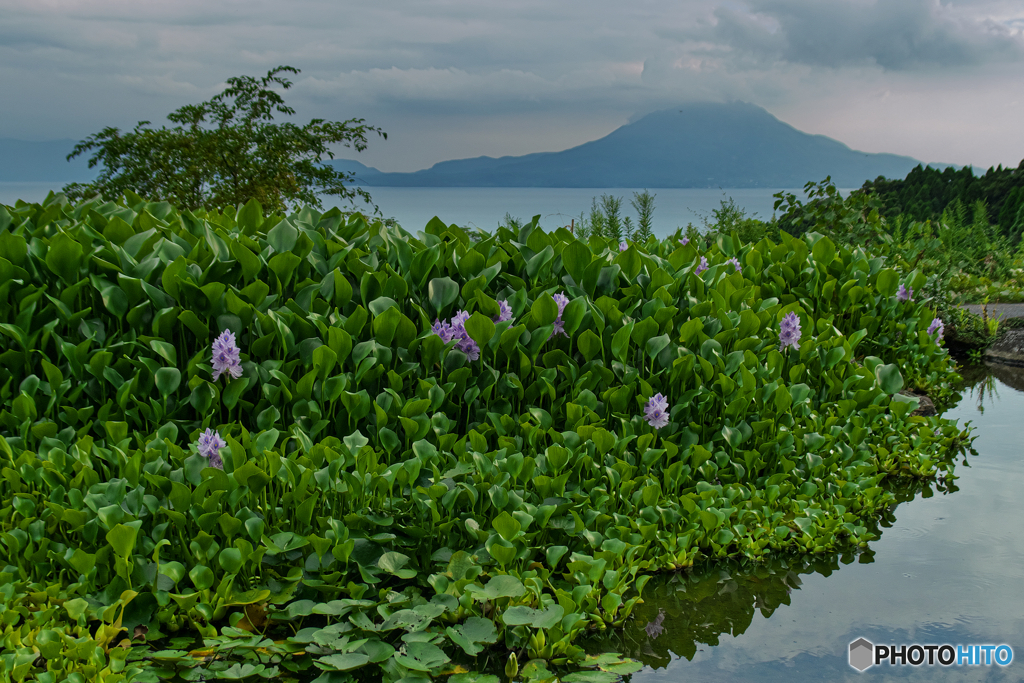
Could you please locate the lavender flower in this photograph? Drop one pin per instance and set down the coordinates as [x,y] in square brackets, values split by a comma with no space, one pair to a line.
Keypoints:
[656,411]
[225,356]
[702,266]
[209,446]
[442,330]
[736,263]
[936,328]
[654,627]
[562,300]
[789,331]
[455,330]
[506,311]
[904,294]
[623,246]
[465,343]
[686,240]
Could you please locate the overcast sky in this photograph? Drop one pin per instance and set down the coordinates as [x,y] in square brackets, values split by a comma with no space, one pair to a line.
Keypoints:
[939,81]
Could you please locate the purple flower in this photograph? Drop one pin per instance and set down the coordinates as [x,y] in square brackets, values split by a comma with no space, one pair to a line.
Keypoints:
[225,356]
[506,311]
[623,246]
[702,266]
[562,300]
[442,330]
[654,627]
[789,331]
[455,330]
[936,328]
[209,446]
[686,240]
[465,342]
[656,411]
[904,294]
[736,263]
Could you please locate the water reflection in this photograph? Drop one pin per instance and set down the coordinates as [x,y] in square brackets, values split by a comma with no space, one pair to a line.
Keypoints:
[687,610]
[946,569]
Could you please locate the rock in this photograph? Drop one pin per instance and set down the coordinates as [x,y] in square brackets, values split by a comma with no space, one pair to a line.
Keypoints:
[1008,349]
[925,406]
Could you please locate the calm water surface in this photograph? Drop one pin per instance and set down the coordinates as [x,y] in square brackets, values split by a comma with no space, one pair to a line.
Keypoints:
[948,568]
[485,207]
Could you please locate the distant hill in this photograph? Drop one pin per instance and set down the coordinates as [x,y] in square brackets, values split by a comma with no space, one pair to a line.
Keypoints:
[697,145]
[23,161]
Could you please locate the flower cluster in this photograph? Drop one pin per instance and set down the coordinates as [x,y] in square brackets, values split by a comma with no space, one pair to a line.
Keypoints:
[623,246]
[702,266]
[789,331]
[685,241]
[936,328]
[210,443]
[562,300]
[736,263]
[904,294]
[455,330]
[656,411]
[225,356]
[505,313]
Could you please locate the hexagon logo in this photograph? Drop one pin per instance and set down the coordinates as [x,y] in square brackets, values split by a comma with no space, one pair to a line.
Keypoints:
[862,654]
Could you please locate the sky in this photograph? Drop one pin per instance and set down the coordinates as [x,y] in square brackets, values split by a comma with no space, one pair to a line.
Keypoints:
[938,81]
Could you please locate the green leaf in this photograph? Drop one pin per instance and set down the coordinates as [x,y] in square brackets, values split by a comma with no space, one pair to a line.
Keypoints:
[250,262]
[167,380]
[230,560]
[234,390]
[202,577]
[527,616]
[63,257]
[589,344]
[544,310]
[122,539]
[573,314]
[480,328]
[282,237]
[165,350]
[889,378]
[824,251]
[576,256]
[343,662]
[442,292]
[501,586]
[507,526]
[887,282]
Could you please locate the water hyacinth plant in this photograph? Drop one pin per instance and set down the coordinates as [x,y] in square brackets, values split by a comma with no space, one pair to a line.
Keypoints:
[226,358]
[936,328]
[656,411]
[789,331]
[702,266]
[406,487]
[904,294]
[209,446]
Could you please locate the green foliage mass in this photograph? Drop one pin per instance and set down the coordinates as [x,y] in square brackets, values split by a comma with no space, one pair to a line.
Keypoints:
[226,151]
[388,507]
[927,192]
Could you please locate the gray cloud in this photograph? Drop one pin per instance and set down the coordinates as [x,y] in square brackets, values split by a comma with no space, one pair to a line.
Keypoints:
[893,34]
[467,77]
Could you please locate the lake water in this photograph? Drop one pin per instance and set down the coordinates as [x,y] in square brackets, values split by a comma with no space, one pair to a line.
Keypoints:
[485,207]
[948,568]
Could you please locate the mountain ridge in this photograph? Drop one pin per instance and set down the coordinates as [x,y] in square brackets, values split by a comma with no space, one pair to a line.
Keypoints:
[735,145]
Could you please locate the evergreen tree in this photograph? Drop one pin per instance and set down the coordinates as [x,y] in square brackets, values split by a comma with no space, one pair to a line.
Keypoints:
[611,206]
[643,202]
